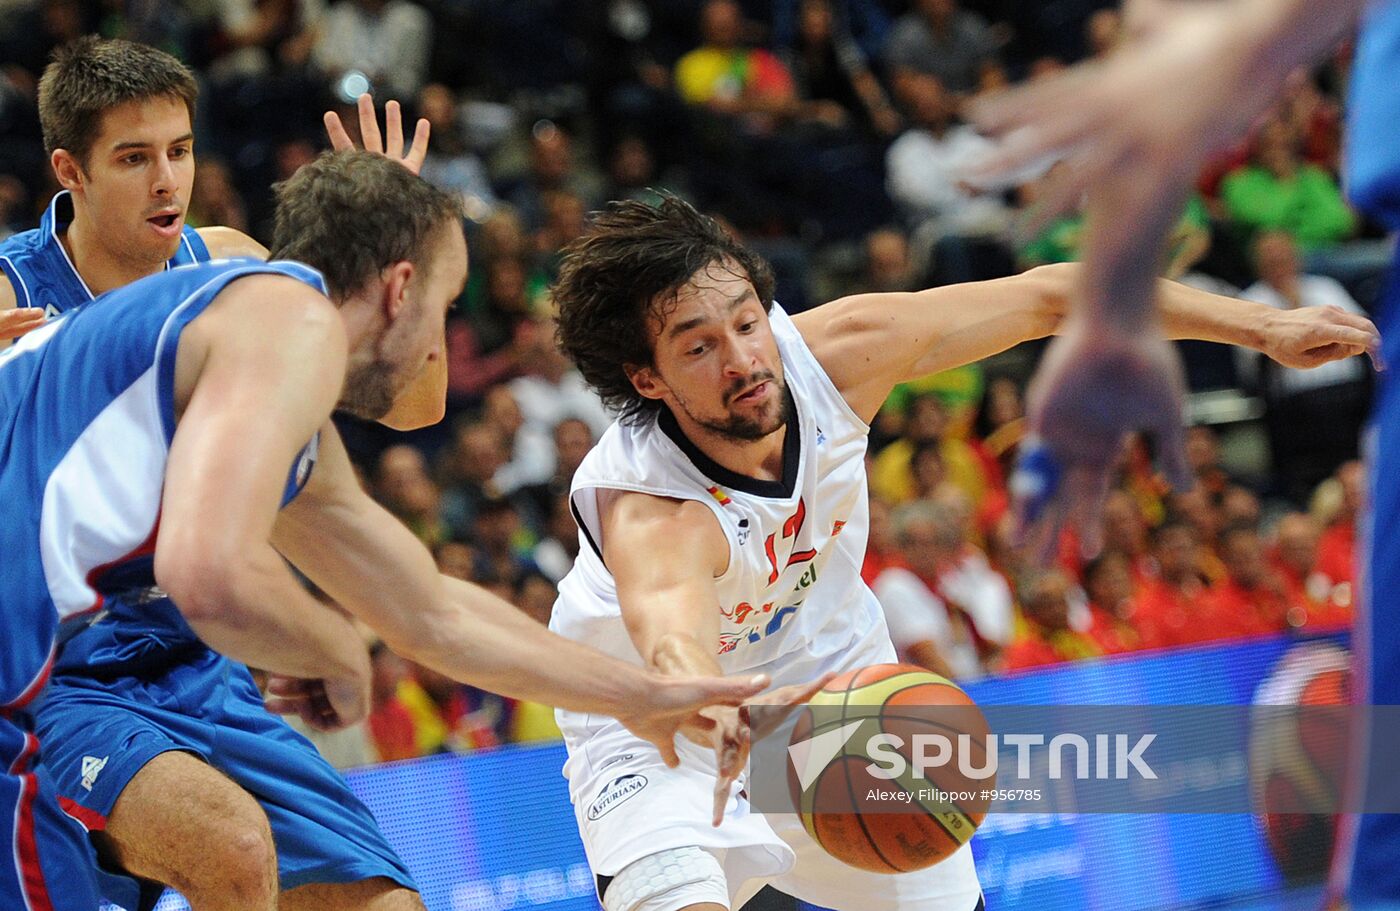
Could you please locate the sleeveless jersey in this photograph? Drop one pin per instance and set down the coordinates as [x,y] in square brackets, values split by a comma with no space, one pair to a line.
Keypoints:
[792,590]
[87,414]
[41,274]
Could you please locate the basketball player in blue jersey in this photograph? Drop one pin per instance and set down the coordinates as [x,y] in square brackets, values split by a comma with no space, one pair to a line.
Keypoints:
[117,119]
[164,405]
[1134,130]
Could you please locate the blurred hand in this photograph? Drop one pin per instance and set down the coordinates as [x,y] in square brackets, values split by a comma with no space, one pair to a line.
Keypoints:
[20,321]
[369,133]
[1091,390]
[324,705]
[1178,88]
[1311,336]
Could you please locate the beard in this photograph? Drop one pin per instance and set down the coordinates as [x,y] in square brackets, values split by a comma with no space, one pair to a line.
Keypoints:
[749,428]
[369,391]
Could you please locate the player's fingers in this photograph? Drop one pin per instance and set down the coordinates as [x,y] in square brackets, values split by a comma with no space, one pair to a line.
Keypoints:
[289,686]
[286,705]
[1169,436]
[721,800]
[1087,490]
[419,150]
[14,323]
[393,130]
[369,124]
[335,132]
[1037,103]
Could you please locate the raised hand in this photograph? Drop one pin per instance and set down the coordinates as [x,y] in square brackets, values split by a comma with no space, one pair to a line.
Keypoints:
[370,135]
[14,323]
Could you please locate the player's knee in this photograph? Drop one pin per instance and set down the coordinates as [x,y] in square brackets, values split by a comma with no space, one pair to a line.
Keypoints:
[671,880]
[245,863]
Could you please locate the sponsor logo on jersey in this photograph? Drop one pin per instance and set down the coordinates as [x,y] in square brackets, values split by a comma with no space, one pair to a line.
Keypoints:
[614,793]
[92,766]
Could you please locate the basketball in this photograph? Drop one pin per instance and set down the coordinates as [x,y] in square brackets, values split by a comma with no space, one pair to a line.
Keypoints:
[861,777]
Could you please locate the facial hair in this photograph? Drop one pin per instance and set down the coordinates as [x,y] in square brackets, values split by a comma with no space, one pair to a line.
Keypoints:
[369,391]
[742,428]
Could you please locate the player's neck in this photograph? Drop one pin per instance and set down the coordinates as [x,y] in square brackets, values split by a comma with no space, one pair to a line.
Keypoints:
[761,460]
[101,269]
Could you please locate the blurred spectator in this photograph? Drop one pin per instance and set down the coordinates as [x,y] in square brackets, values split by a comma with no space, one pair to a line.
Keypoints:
[632,172]
[450,164]
[1197,508]
[1325,603]
[1044,635]
[1108,581]
[565,220]
[38,29]
[402,486]
[552,169]
[727,76]
[476,454]
[882,546]
[558,546]
[252,39]
[550,388]
[830,68]
[959,572]
[1251,601]
[387,40]
[502,540]
[1239,506]
[937,38]
[925,167]
[1278,191]
[1203,453]
[1337,547]
[455,559]
[922,628]
[533,721]
[1125,533]
[1171,605]
[481,350]
[888,264]
[391,725]
[926,422]
[1331,401]
[531,459]
[572,439]
[214,199]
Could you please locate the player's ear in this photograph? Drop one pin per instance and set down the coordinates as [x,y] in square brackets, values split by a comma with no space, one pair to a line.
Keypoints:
[397,277]
[646,381]
[67,169]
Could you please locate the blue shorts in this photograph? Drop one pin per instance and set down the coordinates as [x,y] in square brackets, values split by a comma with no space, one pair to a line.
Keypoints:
[103,731]
[46,864]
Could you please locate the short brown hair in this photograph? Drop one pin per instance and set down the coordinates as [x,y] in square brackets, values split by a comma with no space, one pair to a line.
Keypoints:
[626,272]
[89,76]
[351,214]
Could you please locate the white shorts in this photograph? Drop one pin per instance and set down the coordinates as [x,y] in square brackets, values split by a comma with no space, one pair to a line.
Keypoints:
[629,805]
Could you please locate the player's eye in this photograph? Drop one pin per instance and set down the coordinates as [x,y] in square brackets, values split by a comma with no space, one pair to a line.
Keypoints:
[179,152]
[747,327]
[696,351]
[134,159]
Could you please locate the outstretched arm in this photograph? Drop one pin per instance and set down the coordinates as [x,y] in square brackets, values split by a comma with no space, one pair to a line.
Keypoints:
[868,343]
[373,566]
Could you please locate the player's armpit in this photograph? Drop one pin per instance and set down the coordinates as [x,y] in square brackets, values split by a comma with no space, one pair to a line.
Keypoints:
[424,402]
[229,243]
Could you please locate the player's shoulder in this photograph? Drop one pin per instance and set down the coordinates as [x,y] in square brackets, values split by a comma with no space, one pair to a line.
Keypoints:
[230,243]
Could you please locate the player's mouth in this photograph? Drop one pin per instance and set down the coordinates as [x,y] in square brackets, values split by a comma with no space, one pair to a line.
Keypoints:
[754,394]
[166,223]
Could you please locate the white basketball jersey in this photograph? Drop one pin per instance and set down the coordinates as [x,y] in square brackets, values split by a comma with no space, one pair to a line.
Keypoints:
[792,591]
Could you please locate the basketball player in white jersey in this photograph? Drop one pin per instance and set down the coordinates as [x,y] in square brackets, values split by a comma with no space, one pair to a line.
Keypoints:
[726,513]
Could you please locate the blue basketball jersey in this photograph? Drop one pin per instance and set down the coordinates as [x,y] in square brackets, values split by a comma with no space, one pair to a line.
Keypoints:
[87,414]
[41,274]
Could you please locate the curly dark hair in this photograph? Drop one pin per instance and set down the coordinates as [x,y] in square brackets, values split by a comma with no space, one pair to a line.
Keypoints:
[618,282]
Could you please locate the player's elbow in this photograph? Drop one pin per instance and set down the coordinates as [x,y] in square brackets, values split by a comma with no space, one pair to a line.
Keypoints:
[205,584]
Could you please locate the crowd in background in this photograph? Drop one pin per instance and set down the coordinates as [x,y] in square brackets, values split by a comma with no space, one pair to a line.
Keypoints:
[829,135]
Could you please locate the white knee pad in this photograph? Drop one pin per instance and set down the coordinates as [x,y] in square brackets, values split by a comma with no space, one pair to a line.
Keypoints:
[668,881]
